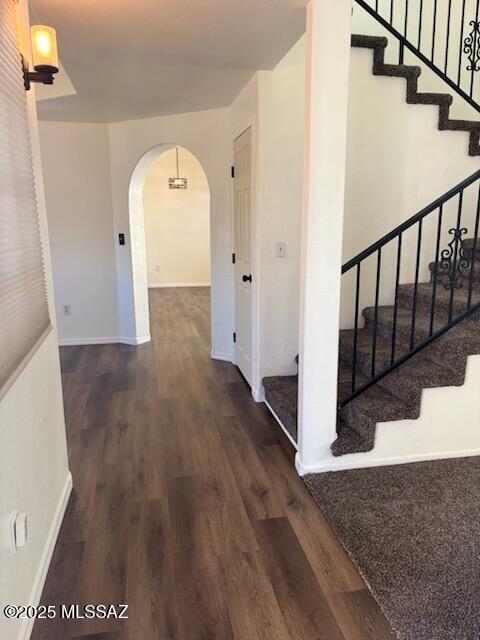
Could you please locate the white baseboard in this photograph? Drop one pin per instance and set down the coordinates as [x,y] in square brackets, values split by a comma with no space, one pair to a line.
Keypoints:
[362,461]
[258,393]
[225,357]
[79,342]
[167,285]
[282,427]
[41,575]
[135,341]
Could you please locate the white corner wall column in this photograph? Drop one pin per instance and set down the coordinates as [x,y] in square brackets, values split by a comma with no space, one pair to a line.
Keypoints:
[326,110]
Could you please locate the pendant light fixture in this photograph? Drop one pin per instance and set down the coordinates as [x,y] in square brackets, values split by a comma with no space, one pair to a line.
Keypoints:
[177,183]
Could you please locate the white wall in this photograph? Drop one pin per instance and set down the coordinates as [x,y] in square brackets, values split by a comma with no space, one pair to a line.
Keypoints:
[272,103]
[177,222]
[280,192]
[34,475]
[206,134]
[76,164]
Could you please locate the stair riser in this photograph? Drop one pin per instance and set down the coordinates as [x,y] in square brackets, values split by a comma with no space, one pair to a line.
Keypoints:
[450,345]
[360,423]
[403,334]
[410,378]
[463,279]
[442,302]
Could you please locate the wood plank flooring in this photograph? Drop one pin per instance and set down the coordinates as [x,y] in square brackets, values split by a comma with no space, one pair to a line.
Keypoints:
[186,504]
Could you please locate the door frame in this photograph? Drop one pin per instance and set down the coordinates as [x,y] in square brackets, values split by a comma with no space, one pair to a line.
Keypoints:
[137,242]
[257,387]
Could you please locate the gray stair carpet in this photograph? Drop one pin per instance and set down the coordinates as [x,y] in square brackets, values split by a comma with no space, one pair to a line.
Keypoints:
[413,532]
[411,74]
[398,395]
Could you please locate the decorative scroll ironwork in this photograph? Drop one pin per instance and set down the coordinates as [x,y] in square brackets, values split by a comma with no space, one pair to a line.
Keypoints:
[455,260]
[471,46]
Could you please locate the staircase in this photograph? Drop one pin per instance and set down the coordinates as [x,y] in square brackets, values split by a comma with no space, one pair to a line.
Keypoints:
[411,75]
[396,396]
[395,351]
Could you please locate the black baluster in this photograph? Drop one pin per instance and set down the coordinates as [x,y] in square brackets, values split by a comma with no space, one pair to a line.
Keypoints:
[420,25]
[434,31]
[453,275]
[437,255]
[474,49]
[355,333]
[447,37]
[415,289]
[405,30]
[460,50]
[472,264]
[391,12]
[395,309]
[375,317]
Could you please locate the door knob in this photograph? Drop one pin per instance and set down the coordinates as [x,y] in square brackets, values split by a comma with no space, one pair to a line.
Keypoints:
[247,278]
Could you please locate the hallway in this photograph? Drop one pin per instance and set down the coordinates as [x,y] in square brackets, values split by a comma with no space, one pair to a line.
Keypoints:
[186,504]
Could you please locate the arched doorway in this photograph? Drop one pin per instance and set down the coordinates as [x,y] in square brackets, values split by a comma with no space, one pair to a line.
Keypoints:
[152,267]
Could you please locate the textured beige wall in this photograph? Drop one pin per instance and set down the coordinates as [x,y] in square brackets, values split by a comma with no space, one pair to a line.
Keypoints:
[177,222]
[34,475]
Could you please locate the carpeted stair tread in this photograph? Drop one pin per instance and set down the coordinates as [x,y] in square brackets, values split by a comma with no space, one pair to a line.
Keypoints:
[463,278]
[408,381]
[424,297]
[411,74]
[281,393]
[470,243]
[385,319]
[348,441]
[375,405]
[435,99]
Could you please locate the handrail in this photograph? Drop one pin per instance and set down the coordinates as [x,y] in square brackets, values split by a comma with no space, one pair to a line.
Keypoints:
[410,222]
[405,43]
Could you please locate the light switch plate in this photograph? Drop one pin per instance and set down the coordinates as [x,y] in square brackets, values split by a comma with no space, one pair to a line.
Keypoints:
[280,249]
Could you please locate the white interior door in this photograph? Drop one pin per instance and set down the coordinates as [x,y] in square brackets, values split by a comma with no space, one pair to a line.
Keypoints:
[243,252]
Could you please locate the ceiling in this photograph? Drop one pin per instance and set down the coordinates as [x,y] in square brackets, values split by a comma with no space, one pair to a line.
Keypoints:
[129,60]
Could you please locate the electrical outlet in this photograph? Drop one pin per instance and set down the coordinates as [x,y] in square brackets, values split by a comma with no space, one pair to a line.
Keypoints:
[21,530]
[18,530]
[157,268]
[13,541]
[67,309]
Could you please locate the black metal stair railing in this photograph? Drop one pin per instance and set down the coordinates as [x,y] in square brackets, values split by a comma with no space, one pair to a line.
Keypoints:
[453,269]
[449,46]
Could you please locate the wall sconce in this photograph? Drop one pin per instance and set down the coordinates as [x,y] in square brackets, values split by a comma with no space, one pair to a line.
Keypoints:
[45,56]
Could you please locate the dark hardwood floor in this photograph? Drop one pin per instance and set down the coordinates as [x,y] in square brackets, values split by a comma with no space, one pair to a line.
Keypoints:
[186,505]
